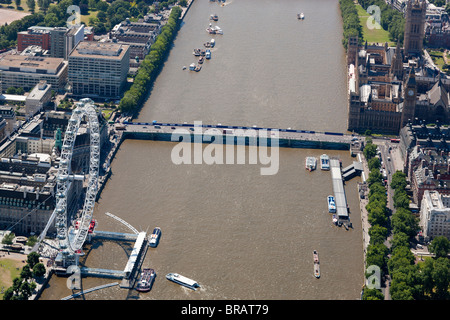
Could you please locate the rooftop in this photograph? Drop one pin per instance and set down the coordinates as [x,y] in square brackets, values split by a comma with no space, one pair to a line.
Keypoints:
[19,63]
[99,50]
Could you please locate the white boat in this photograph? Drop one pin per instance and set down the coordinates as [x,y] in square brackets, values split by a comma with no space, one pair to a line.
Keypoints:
[324,162]
[301,16]
[208,54]
[182,280]
[213,43]
[154,237]
[192,67]
[311,163]
[316,264]
[335,220]
[331,204]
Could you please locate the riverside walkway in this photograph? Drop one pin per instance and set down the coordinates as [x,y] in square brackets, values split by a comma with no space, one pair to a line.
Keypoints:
[232,134]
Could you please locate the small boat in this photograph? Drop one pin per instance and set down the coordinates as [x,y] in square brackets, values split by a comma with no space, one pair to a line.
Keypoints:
[198,52]
[325,162]
[210,44]
[184,67]
[182,280]
[154,237]
[331,204]
[300,16]
[208,54]
[316,264]
[195,67]
[201,60]
[310,163]
[214,17]
[146,280]
[335,220]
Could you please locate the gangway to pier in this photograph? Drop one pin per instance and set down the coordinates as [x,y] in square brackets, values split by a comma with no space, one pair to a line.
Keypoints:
[118,236]
[102,273]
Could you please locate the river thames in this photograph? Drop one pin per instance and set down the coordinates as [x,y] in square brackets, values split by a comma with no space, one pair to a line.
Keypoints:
[239,234]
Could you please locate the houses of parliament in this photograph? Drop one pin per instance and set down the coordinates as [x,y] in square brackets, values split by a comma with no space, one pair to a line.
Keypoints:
[389,87]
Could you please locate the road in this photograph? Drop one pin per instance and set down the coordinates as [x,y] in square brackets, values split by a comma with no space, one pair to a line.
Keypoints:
[391,161]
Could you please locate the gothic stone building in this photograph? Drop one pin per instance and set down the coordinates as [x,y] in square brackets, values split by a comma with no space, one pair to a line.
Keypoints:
[388,87]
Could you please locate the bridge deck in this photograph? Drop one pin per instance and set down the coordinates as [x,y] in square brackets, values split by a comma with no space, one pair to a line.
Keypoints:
[309,136]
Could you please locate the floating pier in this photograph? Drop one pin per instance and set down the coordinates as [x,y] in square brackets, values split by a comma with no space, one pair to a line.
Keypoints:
[338,188]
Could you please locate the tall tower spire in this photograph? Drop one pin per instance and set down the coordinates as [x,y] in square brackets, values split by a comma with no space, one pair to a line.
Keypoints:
[409,102]
[414,27]
[397,63]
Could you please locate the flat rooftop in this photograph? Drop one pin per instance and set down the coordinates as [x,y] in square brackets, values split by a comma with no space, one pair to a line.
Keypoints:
[19,63]
[99,50]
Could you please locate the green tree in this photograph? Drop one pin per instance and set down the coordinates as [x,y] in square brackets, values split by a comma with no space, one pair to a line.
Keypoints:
[399,239]
[372,294]
[441,278]
[377,234]
[102,6]
[377,255]
[370,150]
[33,259]
[403,221]
[401,200]
[374,164]
[39,270]
[26,272]
[374,177]
[8,239]
[11,90]
[31,5]
[440,246]
[398,180]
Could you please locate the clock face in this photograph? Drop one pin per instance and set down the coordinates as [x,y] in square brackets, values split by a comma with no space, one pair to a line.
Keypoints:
[410,92]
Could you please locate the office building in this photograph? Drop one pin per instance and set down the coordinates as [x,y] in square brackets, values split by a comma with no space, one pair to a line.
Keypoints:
[99,69]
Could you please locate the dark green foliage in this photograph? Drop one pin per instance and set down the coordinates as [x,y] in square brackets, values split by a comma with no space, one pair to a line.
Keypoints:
[352,26]
[151,65]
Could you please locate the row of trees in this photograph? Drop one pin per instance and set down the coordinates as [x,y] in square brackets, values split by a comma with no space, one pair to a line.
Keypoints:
[23,285]
[352,26]
[377,251]
[151,64]
[390,19]
[409,281]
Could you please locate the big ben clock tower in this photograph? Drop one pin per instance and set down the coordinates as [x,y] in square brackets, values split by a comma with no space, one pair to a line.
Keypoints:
[409,102]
